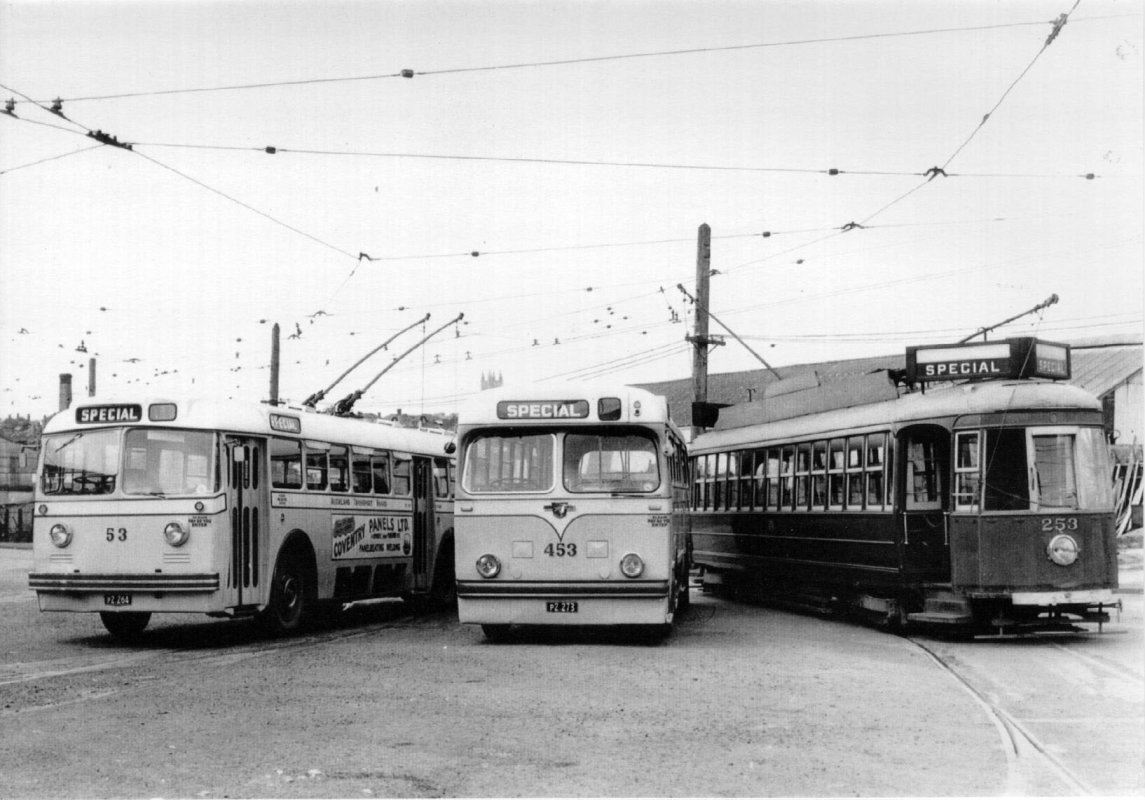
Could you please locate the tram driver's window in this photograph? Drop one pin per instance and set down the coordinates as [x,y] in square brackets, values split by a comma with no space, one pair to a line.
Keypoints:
[1007,488]
[285,464]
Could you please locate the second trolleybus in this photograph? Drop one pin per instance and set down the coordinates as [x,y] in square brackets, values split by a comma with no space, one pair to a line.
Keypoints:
[571,510]
[231,509]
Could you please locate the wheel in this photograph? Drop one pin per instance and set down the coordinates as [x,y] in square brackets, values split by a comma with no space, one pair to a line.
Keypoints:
[443,592]
[684,591]
[125,625]
[290,602]
[496,633]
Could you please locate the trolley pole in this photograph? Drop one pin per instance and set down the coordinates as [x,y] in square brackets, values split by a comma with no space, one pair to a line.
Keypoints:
[700,339]
[274,360]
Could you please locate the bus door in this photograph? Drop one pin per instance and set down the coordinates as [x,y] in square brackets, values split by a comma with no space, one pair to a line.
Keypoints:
[923,454]
[246,578]
[423,534]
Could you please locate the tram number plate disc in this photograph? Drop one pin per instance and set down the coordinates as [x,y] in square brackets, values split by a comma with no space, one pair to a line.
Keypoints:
[117,599]
[561,607]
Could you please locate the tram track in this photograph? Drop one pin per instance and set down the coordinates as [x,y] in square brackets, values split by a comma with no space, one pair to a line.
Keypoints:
[1027,755]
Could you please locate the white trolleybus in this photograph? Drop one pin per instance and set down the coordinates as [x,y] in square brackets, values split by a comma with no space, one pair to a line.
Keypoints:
[571,510]
[235,509]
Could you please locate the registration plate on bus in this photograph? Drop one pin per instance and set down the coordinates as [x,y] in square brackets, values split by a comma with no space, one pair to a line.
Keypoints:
[117,599]
[561,607]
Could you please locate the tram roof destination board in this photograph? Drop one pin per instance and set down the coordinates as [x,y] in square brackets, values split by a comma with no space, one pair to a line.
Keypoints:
[1022,357]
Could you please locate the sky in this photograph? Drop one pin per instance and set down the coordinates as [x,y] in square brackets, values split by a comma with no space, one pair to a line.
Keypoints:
[544,172]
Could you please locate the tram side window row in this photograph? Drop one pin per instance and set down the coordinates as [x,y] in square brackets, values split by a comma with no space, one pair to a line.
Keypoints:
[834,474]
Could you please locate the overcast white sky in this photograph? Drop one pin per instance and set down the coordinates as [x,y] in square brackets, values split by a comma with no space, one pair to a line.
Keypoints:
[170,262]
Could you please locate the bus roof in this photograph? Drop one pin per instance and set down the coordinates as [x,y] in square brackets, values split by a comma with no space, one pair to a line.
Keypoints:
[240,417]
[935,404]
[556,404]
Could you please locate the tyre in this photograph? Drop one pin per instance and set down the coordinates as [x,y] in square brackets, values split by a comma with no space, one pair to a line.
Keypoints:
[127,626]
[291,602]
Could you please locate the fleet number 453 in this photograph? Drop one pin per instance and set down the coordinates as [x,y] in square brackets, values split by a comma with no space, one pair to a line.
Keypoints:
[560,550]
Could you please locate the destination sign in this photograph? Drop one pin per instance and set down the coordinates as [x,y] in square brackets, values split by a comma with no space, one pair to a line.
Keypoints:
[284,424]
[1022,357]
[91,415]
[544,409]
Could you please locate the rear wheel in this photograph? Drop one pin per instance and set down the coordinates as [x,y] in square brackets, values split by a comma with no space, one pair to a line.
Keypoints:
[290,601]
[496,633]
[127,626]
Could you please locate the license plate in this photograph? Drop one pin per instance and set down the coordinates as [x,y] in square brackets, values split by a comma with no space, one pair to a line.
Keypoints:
[561,607]
[117,599]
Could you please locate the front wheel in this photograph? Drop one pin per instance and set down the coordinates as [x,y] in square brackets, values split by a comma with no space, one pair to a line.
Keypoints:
[289,605]
[126,626]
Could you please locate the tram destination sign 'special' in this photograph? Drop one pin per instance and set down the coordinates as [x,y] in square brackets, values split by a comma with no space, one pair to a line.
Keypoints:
[1022,357]
[542,409]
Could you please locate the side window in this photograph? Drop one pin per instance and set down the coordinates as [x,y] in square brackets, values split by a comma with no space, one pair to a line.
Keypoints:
[855,472]
[401,467]
[922,477]
[876,463]
[360,473]
[802,476]
[746,464]
[316,467]
[786,477]
[819,475]
[773,462]
[380,467]
[442,478]
[836,478]
[967,470]
[339,469]
[285,464]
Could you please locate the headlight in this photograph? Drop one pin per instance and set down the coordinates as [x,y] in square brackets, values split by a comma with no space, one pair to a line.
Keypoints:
[1062,550]
[488,566]
[175,534]
[61,536]
[632,565]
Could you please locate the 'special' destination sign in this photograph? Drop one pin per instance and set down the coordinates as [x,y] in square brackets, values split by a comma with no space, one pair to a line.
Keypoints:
[1022,357]
[542,409]
[95,415]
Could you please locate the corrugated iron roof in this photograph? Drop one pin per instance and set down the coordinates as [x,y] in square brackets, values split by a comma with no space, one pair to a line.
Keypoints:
[1097,368]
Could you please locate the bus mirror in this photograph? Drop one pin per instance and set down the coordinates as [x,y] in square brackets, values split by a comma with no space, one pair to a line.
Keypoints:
[450,448]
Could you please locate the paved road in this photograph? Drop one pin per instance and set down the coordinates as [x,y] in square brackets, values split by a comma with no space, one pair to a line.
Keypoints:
[742,700]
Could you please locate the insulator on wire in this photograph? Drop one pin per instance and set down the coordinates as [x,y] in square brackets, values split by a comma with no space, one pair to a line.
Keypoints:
[407,73]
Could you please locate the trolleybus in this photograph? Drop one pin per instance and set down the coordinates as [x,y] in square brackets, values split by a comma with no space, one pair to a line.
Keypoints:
[235,509]
[982,502]
[571,510]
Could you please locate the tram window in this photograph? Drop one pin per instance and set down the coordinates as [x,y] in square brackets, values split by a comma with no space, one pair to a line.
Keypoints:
[836,463]
[1055,471]
[922,483]
[360,473]
[380,467]
[786,477]
[402,474]
[316,469]
[746,485]
[442,483]
[855,472]
[802,476]
[285,464]
[772,473]
[819,476]
[339,470]
[1007,485]
[967,471]
[876,462]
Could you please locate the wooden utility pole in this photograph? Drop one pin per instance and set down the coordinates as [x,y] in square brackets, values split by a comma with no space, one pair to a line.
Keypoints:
[699,339]
[274,365]
[91,377]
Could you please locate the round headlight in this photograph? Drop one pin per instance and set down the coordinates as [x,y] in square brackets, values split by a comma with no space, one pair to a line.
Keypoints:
[1063,550]
[488,566]
[632,565]
[175,534]
[60,535]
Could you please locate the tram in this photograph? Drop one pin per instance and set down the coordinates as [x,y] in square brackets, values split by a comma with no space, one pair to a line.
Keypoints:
[571,510]
[973,494]
[152,505]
